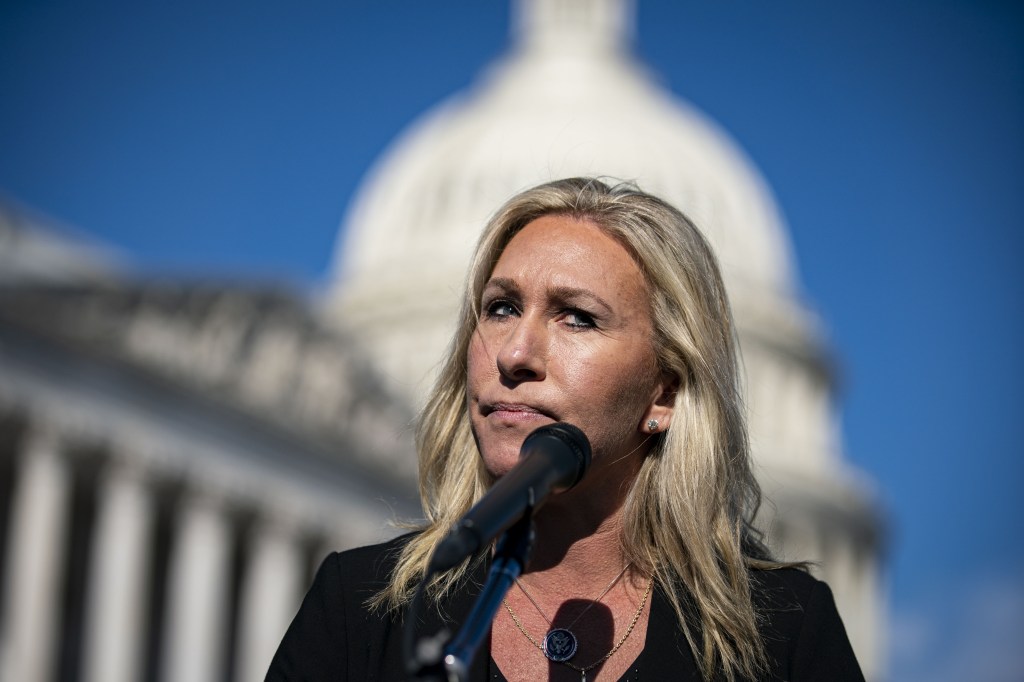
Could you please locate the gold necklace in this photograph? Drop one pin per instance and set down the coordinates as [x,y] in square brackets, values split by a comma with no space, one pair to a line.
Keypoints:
[560,644]
[581,670]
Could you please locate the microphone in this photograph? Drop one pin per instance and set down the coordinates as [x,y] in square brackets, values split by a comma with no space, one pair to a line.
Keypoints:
[553,459]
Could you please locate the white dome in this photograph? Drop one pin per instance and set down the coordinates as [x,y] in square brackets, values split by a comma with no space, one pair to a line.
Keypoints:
[556,108]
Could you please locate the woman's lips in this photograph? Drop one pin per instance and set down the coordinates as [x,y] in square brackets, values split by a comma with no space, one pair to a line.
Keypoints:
[514,412]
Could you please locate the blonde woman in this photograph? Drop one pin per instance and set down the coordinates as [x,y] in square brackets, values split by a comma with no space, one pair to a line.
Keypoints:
[602,307]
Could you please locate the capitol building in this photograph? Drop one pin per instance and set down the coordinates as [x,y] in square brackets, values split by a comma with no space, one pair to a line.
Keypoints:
[176,457]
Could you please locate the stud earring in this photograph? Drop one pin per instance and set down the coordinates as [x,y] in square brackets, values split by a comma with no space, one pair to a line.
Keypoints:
[652,425]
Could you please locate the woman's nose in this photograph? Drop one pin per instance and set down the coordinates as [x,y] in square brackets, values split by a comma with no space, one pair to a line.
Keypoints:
[522,355]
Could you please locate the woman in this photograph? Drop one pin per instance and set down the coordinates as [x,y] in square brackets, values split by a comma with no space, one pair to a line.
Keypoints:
[602,307]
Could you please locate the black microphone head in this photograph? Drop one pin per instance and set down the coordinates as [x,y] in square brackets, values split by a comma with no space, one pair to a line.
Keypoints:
[573,439]
[553,459]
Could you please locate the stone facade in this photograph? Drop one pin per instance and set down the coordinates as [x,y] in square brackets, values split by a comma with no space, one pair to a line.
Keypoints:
[175,459]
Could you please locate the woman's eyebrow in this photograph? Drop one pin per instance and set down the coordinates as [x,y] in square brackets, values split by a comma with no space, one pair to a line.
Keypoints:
[565,294]
[502,283]
[576,293]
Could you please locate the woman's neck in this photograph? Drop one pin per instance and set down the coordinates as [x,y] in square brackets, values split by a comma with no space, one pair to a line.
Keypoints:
[578,534]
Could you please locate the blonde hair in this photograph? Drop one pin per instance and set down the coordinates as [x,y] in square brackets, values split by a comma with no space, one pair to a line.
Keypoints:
[687,520]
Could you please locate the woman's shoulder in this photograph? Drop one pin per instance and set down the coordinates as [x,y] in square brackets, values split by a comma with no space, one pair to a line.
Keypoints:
[334,635]
[364,568]
[801,626]
[783,587]
[374,560]
[786,596]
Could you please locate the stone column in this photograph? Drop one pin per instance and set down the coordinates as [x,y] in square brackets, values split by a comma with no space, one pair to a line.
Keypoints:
[270,597]
[39,517]
[837,569]
[115,610]
[872,635]
[197,595]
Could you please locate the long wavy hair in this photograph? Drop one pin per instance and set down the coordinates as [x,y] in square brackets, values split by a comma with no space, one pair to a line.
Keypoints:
[688,518]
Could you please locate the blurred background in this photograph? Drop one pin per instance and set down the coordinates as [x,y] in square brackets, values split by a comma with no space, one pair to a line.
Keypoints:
[231,237]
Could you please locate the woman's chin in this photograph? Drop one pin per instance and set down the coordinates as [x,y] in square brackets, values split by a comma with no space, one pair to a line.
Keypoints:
[498,466]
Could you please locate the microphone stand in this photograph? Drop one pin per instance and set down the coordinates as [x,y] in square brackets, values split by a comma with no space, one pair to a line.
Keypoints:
[510,556]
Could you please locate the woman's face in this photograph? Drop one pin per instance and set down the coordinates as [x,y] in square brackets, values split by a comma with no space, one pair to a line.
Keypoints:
[564,334]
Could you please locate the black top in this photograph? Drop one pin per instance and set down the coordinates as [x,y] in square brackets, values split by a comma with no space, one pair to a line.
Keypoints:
[335,637]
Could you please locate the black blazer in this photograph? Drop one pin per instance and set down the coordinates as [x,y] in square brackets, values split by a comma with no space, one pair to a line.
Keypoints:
[334,636]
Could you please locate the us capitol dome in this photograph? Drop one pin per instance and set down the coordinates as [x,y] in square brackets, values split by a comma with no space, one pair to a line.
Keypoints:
[569,99]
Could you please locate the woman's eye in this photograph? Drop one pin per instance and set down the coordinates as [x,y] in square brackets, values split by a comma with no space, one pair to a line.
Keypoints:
[500,309]
[579,319]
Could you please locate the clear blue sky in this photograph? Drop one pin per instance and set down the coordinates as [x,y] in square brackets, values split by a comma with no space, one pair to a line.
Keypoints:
[226,138]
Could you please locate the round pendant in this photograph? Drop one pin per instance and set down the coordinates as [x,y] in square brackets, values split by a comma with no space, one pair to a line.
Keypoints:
[559,645]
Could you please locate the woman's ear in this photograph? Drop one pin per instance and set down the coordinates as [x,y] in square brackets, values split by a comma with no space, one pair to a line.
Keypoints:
[658,416]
